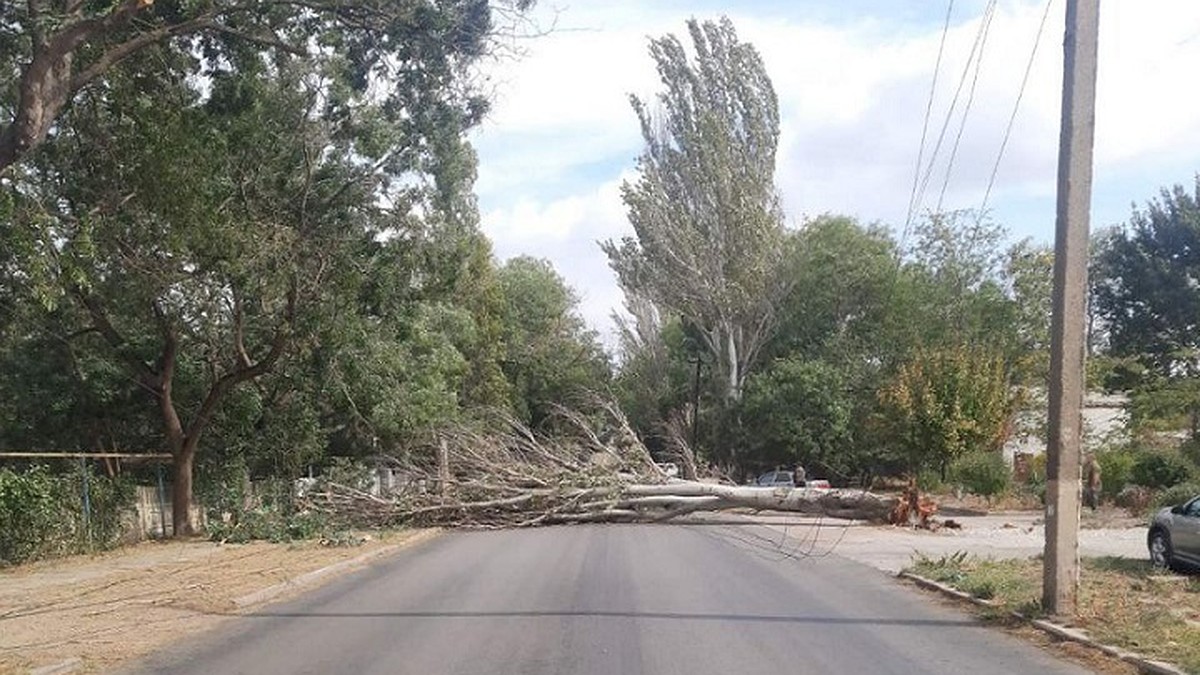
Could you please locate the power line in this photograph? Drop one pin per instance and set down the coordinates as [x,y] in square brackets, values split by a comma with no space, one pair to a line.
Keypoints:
[937,66]
[953,105]
[1016,106]
[989,14]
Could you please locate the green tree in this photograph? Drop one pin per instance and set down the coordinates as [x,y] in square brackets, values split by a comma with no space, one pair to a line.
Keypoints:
[208,241]
[951,289]
[709,236]
[651,381]
[798,412]
[1029,271]
[552,356]
[1148,293]
[843,277]
[943,404]
[52,50]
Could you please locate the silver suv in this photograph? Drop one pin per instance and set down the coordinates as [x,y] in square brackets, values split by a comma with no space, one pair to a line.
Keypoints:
[1174,537]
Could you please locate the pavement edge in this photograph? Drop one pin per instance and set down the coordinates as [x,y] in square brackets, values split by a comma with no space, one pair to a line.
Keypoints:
[311,578]
[1061,632]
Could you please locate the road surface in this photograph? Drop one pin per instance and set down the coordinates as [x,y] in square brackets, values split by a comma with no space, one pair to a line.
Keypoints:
[610,600]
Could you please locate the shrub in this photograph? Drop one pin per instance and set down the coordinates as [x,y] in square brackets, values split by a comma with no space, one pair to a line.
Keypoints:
[1116,470]
[1161,469]
[981,473]
[31,509]
[42,513]
[945,404]
[1135,498]
[930,481]
[1177,494]
[269,524]
[1190,449]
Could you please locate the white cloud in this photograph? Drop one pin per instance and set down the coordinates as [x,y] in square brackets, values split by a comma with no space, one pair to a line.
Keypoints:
[852,100]
[567,231]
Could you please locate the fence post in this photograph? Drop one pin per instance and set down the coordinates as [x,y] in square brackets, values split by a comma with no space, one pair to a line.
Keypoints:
[87,502]
[162,503]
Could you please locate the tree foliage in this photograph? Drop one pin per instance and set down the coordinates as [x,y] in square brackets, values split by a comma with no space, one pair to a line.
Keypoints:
[1149,291]
[552,356]
[55,49]
[943,404]
[255,227]
[709,234]
[798,412]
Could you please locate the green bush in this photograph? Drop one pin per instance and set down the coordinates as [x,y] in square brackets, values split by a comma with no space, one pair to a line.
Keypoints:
[1177,494]
[41,513]
[1116,470]
[31,511]
[981,473]
[930,481]
[240,511]
[1161,469]
[270,525]
[1190,449]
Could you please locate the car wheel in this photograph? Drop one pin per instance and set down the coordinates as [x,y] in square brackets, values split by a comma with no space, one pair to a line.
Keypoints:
[1160,549]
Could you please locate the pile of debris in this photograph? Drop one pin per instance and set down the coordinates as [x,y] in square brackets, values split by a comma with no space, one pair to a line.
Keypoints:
[594,469]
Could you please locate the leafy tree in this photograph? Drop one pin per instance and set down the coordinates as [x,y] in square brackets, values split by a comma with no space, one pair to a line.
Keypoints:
[552,355]
[950,289]
[798,412]
[943,404]
[207,242]
[709,237]
[1147,295]
[1149,291]
[1029,271]
[51,50]
[652,380]
[843,278]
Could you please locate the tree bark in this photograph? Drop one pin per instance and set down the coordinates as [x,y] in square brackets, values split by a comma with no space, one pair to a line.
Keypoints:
[181,493]
[644,503]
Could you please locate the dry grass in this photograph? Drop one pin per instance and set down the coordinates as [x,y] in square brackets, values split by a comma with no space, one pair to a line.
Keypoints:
[124,604]
[1122,602]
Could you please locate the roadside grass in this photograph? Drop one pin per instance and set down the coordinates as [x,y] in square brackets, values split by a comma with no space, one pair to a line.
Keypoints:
[1122,602]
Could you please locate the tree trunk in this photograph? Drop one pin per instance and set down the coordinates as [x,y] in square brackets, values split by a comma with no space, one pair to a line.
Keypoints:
[735,374]
[848,504]
[181,495]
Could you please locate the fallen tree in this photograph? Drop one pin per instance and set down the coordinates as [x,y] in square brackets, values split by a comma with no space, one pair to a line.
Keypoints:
[593,470]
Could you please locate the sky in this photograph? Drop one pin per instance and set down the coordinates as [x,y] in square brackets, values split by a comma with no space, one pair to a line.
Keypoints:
[853,78]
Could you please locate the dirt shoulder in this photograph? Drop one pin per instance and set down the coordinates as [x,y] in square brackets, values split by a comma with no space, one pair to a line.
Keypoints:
[101,611]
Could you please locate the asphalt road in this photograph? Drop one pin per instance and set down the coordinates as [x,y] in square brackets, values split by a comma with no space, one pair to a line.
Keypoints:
[611,600]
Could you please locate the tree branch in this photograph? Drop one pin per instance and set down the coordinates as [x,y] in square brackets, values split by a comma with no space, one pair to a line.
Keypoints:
[110,334]
[126,49]
[229,380]
[272,41]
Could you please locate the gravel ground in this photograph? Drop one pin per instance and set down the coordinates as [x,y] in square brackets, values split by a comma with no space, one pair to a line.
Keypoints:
[1001,535]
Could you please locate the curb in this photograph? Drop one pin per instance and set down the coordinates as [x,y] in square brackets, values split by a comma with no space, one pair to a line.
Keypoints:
[1142,663]
[311,578]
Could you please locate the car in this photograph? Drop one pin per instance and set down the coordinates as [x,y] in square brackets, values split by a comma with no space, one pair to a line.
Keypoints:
[787,479]
[776,479]
[1174,536]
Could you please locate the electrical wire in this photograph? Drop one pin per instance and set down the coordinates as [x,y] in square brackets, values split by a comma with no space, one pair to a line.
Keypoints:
[954,102]
[990,14]
[1016,106]
[937,66]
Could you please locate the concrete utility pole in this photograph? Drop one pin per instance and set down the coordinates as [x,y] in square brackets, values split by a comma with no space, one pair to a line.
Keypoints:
[1060,573]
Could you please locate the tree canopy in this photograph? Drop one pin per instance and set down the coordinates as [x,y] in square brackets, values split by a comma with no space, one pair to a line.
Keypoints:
[709,232]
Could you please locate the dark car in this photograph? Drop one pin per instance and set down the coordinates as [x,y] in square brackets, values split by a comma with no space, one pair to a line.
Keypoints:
[1174,538]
